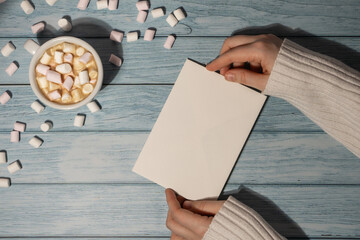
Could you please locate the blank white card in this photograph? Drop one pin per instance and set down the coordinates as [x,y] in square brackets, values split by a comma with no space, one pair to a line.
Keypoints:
[199,133]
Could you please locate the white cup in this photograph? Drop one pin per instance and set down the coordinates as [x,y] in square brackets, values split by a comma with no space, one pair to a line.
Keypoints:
[40,52]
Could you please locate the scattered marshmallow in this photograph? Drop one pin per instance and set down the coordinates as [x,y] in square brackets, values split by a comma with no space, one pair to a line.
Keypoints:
[101,4]
[54,95]
[15,136]
[113,4]
[14,166]
[85,58]
[143,5]
[27,7]
[116,36]
[45,59]
[169,42]
[65,24]
[83,4]
[3,157]
[79,120]
[157,12]
[68,83]
[179,14]
[8,49]
[36,142]
[132,36]
[51,2]
[93,106]
[141,17]
[64,68]
[37,107]
[11,69]
[5,182]
[149,34]
[115,60]
[68,58]
[31,46]
[59,57]
[19,126]
[53,76]
[38,27]
[171,20]
[42,69]
[69,48]
[46,126]
[84,77]
[4,98]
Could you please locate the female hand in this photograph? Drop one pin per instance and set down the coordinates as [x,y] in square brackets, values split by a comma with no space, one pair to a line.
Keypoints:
[189,219]
[259,51]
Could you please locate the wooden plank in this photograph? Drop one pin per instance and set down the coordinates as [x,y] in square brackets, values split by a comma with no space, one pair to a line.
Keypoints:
[141,238]
[140,210]
[205,18]
[70,157]
[149,62]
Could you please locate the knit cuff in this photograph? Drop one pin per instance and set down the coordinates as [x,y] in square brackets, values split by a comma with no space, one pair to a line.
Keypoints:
[235,220]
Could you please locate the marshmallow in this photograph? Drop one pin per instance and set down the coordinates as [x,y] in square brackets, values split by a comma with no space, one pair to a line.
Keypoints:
[65,24]
[55,95]
[42,69]
[66,97]
[115,60]
[77,82]
[93,74]
[45,59]
[38,27]
[85,58]
[36,142]
[53,76]
[149,34]
[31,46]
[79,120]
[27,7]
[141,17]
[8,49]
[76,95]
[53,86]
[4,98]
[46,126]
[5,182]
[169,42]
[80,51]
[37,107]
[93,106]
[157,12]
[59,57]
[11,69]
[63,68]
[171,20]
[116,36]
[42,82]
[84,77]
[143,5]
[68,58]
[101,4]
[3,157]
[51,2]
[87,88]
[68,83]
[82,4]
[132,36]
[15,136]
[69,48]
[14,166]
[19,126]
[93,81]
[179,14]
[113,4]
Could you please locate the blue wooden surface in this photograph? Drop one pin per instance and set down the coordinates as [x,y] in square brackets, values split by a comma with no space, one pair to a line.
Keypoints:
[79,183]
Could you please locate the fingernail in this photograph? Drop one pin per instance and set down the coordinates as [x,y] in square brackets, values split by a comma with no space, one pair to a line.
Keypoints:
[230,77]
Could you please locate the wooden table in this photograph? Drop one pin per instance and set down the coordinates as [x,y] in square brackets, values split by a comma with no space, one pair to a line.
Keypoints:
[79,184]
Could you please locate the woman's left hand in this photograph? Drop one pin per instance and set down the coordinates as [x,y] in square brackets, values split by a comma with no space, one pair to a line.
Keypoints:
[189,219]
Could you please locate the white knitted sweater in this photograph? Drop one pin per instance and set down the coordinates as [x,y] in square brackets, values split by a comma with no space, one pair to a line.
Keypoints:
[325,90]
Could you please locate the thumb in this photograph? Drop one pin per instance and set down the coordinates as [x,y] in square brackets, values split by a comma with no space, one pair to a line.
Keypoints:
[209,208]
[247,77]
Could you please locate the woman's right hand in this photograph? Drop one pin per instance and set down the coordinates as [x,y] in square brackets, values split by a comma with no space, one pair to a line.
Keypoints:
[260,51]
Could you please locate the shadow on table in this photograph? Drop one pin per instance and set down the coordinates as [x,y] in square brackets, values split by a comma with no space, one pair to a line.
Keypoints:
[318,44]
[104,46]
[281,222]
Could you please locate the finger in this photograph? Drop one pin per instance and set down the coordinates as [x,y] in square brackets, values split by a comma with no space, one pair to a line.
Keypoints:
[180,199]
[177,229]
[244,53]
[238,40]
[255,67]
[203,207]
[235,65]
[248,78]
[176,237]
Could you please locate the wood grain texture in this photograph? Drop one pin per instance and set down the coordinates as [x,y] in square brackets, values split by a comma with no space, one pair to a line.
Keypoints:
[69,157]
[205,18]
[140,210]
[150,62]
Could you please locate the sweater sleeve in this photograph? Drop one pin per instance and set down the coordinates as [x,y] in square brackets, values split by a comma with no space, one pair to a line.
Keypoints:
[324,89]
[235,220]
